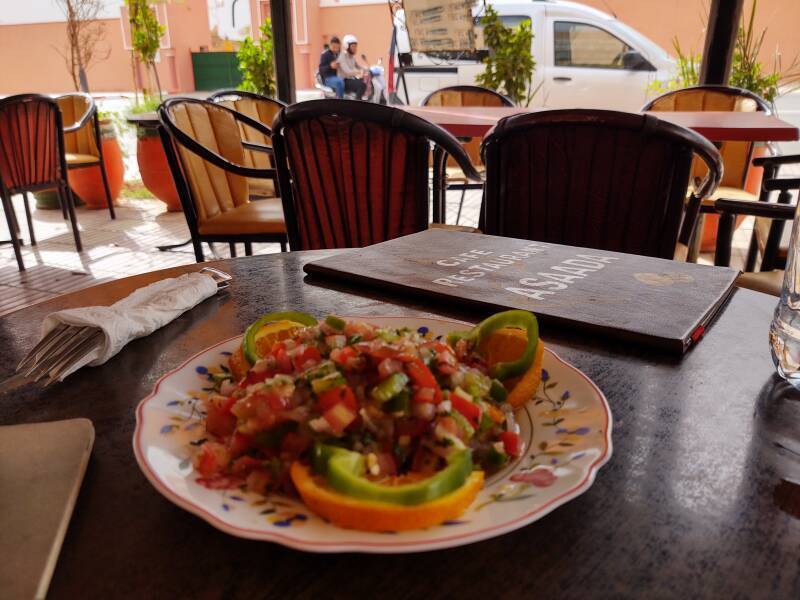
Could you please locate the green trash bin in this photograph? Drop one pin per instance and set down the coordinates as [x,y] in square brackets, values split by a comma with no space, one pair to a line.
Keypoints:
[215,70]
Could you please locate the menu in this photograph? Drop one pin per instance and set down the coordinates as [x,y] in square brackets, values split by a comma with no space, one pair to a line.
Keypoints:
[652,301]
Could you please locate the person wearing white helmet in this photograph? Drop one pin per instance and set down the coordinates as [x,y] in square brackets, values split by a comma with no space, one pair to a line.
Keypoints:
[349,69]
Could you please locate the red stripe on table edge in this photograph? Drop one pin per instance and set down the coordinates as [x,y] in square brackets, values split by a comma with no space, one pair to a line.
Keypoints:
[352,546]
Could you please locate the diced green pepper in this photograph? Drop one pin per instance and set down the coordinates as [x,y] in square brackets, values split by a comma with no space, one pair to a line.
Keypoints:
[335,322]
[323,369]
[330,381]
[498,391]
[345,472]
[271,438]
[486,423]
[390,387]
[495,459]
[401,403]
[521,319]
[465,425]
[249,341]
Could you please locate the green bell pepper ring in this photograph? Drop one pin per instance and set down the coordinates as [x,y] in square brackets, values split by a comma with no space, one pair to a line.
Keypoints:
[521,319]
[344,471]
[249,341]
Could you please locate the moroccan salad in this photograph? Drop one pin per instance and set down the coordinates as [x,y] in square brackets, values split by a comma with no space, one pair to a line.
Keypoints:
[376,428]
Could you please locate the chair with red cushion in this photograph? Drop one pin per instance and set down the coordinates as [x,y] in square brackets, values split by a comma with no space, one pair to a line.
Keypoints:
[353,174]
[32,159]
[595,178]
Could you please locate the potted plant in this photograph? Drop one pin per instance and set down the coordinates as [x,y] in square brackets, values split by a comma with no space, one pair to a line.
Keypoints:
[509,64]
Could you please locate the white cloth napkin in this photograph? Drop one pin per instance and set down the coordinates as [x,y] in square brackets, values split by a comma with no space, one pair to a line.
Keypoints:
[138,315]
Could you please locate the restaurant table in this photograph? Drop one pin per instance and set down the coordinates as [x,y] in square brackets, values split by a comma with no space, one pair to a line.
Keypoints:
[475,121]
[697,500]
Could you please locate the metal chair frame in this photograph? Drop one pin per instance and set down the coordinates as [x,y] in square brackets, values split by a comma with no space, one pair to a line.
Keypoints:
[171,134]
[61,184]
[377,114]
[493,214]
[91,113]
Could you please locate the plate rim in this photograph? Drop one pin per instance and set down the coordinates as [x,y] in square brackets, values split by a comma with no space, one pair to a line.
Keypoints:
[389,546]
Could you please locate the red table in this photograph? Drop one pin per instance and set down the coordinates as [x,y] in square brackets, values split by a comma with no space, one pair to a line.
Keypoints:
[475,121]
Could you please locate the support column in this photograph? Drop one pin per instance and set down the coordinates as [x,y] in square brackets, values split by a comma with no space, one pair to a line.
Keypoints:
[723,23]
[281,14]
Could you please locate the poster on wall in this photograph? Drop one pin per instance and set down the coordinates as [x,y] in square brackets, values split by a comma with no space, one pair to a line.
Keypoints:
[439,25]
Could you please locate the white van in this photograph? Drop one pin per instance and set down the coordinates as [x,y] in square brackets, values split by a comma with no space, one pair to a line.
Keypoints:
[584,58]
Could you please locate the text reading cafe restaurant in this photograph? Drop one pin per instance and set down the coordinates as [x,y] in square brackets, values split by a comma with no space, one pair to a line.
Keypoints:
[560,402]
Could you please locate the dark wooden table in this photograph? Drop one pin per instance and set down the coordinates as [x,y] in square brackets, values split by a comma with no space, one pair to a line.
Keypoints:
[697,500]
[475,121]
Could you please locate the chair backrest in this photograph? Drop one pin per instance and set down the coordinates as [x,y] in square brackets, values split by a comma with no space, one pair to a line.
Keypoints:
[353,173]
[593,178]
[79,108]
[735,155]
[467,95]
[31,142]
[206,156]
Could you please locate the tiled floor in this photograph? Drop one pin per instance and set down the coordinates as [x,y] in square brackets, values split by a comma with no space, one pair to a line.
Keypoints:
[127,246]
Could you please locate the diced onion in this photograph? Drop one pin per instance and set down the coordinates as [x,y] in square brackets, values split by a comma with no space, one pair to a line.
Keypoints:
[424,410]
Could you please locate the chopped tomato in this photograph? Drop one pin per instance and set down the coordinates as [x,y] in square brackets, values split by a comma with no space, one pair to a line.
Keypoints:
[219,420]
[295,443]
[258,481]
[339,417]
[387,464]
[283,363]
[511,442]
[238,444]
[450,425]
[306,359]
[471,411]
[343,356]
[244,464]
[272,399]
[220,482]
[411,427]
[212,459]
[253,377]
[420,374]
[338,395]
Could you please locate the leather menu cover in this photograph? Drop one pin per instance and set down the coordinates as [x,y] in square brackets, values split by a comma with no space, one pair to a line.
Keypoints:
[661,303]
[41,469]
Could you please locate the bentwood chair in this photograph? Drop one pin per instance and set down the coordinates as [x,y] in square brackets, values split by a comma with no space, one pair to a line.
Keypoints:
[205,153]
[353,173]
[736,155]
[32,159]
[262,109]
[464,95]
[595,178]
[82,142]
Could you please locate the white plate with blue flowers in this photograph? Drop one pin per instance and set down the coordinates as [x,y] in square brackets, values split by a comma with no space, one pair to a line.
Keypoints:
[566,428]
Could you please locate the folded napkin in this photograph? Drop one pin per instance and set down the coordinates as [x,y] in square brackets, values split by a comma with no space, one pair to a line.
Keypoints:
[138,315]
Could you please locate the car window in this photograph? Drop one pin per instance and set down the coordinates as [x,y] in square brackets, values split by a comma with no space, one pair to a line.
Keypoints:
[582,45]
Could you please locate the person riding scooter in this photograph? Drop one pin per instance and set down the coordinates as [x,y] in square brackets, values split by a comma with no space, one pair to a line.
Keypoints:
[348,68]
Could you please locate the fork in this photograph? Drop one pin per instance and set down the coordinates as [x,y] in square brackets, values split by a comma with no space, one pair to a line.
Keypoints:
[65,345]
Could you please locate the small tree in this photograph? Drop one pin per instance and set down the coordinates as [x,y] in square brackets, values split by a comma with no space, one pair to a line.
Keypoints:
[84,35]
[146,34]
[510,64]
[256,62]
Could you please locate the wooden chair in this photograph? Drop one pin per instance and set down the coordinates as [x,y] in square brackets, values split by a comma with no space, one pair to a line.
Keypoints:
[594,178]
[736,155]
[262,109]
[32,159]
[464,95]
[770,216]
[353,173]
[82,142]
[205,153]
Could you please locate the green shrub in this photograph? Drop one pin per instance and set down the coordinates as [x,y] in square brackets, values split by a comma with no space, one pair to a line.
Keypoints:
[256,62]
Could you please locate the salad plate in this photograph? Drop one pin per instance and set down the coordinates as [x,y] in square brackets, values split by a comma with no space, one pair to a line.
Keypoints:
[566,428]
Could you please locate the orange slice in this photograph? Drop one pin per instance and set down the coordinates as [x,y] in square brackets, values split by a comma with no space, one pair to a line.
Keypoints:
[506,345]
[352,513]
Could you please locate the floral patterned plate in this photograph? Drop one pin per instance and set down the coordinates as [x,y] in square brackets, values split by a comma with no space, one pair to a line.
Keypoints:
[566,428]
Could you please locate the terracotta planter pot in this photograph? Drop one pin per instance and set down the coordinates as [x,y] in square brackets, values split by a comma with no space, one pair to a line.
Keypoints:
[155,172]
[752,184]
[88,182]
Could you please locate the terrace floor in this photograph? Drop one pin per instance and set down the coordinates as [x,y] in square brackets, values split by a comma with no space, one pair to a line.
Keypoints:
[127,246]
